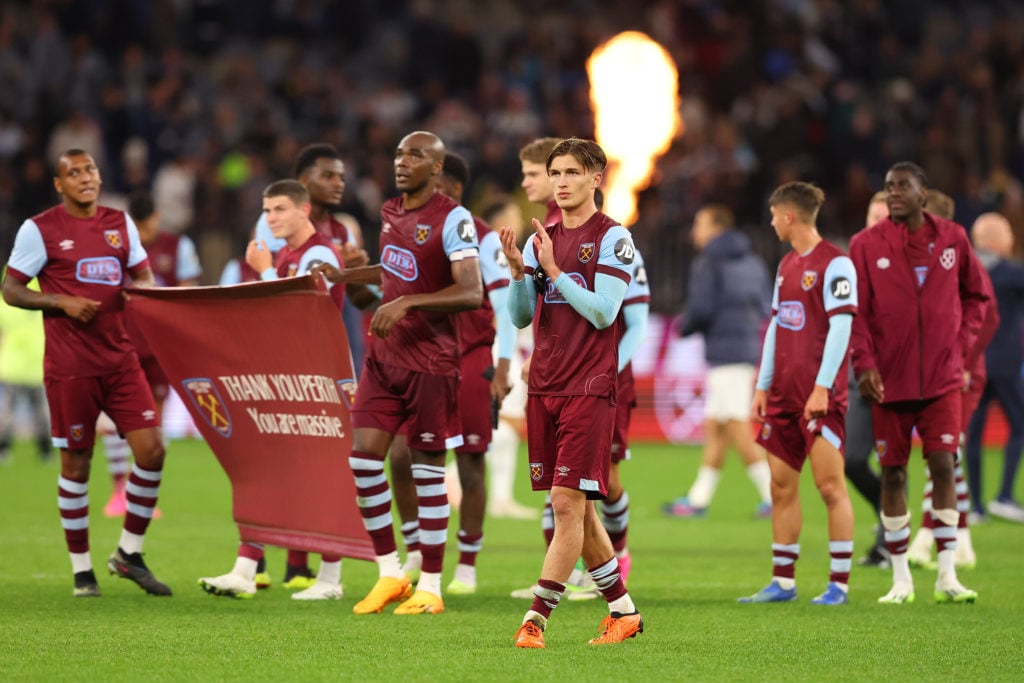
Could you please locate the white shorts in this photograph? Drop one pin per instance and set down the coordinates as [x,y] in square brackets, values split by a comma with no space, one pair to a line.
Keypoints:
[730,391]
[514,405]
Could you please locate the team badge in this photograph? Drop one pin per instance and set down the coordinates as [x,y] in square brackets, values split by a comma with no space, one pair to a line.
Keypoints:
[586,252]
[77,432]
[536,470]
[292,269]
[948,258]
[766,431]
[347,391]
[422,233]
[881,448]
[809,278]
[208,403]
[113,238]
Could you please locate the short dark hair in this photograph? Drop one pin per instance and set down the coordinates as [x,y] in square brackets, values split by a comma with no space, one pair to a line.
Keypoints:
[806,197]
[720,214]
[587,152]
[456,167]
[537,152]
[940,204]
[292,189]
[913,169]
[141,205]
[494,209]
[73,152]
[308,155]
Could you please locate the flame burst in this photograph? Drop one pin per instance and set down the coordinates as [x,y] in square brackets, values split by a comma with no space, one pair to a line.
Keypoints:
[634,88]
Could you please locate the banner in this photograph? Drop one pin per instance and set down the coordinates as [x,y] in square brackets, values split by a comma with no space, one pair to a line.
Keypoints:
[266,374]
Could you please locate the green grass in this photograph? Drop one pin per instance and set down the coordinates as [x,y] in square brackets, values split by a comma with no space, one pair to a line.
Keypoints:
[686,577]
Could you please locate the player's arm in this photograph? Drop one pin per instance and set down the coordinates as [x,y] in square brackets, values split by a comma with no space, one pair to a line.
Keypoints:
[601,306]
[700,301]
[495,271]
[635,317]
[766,371]
[138,261]
[840,300]
[862,348]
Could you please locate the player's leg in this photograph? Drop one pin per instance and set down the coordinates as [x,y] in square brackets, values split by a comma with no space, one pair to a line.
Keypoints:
[738,432]
[893,427]
[118,455]
[860,443]
[1011,398]
[473,478]
[695,502]
[240,582]
[327,585]
[7,406]
[623,620]
[787,520]
[501,467]
[41,422]
[829,478]
[403,489]
[614,508]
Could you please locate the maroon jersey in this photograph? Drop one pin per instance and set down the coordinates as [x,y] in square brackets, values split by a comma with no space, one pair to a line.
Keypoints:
[334,230]
[314,251]
[476,327]
[553,215]
[166,253]
[417,248]
[84,257]
[809,289]
[572,357]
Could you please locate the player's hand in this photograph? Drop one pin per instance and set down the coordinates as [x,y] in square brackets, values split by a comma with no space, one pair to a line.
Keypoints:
[512,253]
[385,317]
[78,307]
[759,406]
[870,385]
[354,257]
[524,374]
[331,272]
[817,403]
[500,384]
[967,382]
[258,256]
[545,251]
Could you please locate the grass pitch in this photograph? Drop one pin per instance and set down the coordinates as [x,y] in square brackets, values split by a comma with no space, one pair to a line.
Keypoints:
[686,577]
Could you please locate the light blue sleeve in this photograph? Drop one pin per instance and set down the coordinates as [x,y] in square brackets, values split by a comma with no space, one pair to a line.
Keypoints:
[618,251]
[635,316]
[840,284]
[232,273]
[530,256]
[188,260]
[275,244]
[136,252]
[459,235]
[836,342]
[29,254]
[639,287]
[767,371]
[316,255]
[600,306]
[522,301]
[503,322]
[493,264]
[775,291]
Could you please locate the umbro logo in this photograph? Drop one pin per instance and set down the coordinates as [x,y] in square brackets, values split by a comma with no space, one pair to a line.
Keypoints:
[67,245]
[427,437]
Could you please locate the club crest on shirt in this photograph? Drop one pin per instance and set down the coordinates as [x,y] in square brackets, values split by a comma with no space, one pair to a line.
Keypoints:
[292,269]
[208,402]
[347,391]
[536,471]
[809,278]
[422,233]
[77,432]
[948,258]
[113,238]
[586,252]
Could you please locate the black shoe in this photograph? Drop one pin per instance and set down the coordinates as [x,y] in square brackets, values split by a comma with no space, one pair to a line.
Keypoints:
[878,557]
[131,566]
[86,585]
[291,571]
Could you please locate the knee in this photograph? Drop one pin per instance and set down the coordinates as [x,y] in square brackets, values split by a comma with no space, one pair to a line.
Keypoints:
[894,478]
[784,491]
[471,472]
[150,454]
[832,491]
[75,465]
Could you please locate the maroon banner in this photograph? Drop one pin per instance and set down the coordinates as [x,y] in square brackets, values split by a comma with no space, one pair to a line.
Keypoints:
[266,374]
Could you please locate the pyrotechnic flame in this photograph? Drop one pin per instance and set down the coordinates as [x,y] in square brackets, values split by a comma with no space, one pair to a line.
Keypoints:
[634,88]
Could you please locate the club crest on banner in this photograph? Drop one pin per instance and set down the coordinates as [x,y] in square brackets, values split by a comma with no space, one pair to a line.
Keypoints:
[207,401]
[113,238]
[948,258]
[586,252]
[808,279]
[422,233]
[347,391]
[536,471]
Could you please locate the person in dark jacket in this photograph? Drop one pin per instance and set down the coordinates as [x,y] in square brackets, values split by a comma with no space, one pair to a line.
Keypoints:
[729,301]
[914,267]
[993,238]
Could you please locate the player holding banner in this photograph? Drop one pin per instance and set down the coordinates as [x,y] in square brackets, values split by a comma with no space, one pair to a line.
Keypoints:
[80,252]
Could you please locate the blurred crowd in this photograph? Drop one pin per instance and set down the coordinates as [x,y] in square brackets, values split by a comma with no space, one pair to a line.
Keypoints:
[207,101]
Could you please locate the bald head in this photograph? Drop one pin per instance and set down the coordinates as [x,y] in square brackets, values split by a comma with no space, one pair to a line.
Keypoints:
[426,141]
[992,232]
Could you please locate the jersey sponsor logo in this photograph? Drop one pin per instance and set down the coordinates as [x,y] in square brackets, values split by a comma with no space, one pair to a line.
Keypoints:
[77,432]
[67,245]
[399,262]
[808,279]
[841,288]
[209,404]
[536,471]
[347,391]
[791,315]
[553,296]
[422,233]
[624,250]
[640,276]
[100,270]
[113,238]
[467,231]
[882,263]
[500,258]
[921,272]
[948,258]
[586,252]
